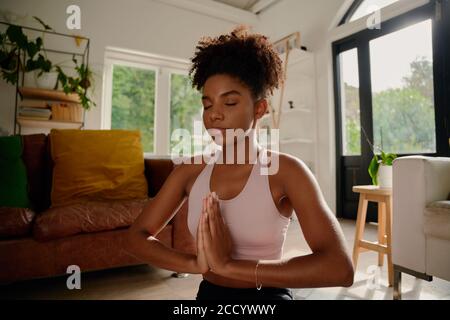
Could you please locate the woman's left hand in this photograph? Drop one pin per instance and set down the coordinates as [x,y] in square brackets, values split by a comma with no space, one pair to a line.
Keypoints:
[217,239]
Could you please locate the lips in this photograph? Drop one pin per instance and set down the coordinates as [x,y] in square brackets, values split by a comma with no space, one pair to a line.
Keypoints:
[212,130]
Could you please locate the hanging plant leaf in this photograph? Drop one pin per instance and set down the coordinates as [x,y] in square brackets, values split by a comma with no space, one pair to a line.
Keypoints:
[2,39]
[40,63]
[45,64]
[9,60]
[32,49]
[16,35]
[39,42]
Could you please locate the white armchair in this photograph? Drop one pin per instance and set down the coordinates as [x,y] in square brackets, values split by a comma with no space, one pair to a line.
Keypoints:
[421,218]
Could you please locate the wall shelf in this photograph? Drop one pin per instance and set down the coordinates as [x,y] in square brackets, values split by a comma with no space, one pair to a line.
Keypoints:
[46,94]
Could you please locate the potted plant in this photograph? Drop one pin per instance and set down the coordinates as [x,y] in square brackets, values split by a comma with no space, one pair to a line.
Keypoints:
[380,169]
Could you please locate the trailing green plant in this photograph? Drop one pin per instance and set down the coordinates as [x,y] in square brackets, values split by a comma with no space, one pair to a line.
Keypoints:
[78,85]
[12,43]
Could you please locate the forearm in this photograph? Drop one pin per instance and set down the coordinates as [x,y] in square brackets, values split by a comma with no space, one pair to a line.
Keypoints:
[310,271]
[155,253]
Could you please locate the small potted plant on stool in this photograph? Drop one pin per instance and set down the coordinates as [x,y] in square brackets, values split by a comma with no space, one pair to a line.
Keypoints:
[380,169]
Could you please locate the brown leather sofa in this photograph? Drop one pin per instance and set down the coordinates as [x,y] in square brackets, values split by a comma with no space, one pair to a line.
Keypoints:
[44,241]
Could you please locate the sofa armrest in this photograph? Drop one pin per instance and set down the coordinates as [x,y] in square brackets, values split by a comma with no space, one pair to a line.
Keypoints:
[417,181]
[156,172]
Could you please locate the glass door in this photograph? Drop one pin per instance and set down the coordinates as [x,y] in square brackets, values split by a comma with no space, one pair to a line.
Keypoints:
[390,94]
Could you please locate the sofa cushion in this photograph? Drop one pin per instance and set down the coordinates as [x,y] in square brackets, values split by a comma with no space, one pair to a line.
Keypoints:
[86,217]
[13,174]
[97,165]
[437,220]
[15,222]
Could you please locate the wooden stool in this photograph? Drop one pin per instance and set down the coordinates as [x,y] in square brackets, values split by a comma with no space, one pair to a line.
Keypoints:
[383,196]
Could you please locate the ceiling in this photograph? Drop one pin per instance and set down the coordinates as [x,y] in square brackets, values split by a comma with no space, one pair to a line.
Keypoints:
[253,6]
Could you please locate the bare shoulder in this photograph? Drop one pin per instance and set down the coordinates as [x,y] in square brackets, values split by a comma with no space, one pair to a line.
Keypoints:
[289,165]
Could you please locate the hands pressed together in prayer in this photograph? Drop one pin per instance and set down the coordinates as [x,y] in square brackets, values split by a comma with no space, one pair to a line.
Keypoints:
[213,238]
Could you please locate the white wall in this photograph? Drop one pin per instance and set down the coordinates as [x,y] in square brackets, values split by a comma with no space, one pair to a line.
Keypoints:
[154,27]
[313,19]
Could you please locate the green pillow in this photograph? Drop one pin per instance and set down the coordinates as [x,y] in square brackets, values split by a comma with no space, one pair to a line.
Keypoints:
[13,174]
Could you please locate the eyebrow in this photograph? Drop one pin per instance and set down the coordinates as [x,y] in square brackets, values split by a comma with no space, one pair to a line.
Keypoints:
[224,94]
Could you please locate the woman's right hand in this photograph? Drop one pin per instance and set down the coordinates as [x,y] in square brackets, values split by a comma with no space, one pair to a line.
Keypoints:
[202,263]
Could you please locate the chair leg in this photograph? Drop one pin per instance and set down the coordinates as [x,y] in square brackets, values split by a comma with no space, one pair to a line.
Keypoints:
[397,284]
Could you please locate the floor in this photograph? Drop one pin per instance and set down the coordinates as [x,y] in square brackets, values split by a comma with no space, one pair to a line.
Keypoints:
[146,282]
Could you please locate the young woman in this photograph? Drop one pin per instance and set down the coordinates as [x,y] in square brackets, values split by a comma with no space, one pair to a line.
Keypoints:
[237,215]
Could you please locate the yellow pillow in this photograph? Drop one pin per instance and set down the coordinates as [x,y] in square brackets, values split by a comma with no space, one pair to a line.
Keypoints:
[97,165]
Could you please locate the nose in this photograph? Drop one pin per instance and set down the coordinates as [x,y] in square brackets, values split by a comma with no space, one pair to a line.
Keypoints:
[216,114]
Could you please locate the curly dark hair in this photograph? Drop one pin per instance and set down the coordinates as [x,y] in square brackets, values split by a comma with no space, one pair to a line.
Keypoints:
[250,58]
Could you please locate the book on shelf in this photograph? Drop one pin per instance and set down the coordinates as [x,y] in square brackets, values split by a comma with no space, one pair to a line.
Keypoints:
[44,104]
[35,103]
[33,118]
[37,113]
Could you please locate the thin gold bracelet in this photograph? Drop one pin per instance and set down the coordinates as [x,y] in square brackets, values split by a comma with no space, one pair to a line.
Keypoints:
[256,277]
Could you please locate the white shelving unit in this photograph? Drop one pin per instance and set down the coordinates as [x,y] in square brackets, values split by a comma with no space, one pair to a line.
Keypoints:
[298,125]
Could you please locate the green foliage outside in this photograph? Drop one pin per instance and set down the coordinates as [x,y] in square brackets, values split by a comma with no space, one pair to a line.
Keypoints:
[403,117]
[133,102]
[352,121]
[185,107]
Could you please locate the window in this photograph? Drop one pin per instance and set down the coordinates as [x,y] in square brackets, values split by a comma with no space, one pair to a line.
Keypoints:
[149,93]
[133,102]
